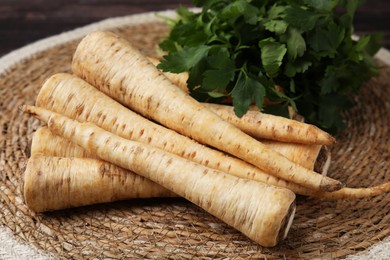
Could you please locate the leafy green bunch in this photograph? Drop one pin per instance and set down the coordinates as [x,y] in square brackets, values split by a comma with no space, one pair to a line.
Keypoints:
[243,49]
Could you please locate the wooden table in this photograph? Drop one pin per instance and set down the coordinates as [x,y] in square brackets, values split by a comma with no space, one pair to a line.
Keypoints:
[25,21]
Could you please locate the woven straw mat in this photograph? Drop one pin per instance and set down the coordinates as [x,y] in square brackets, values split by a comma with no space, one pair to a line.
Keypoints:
[175,228]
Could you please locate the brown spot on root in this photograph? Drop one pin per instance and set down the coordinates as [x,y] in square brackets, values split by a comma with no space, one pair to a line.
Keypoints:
[103,169]
[79,109]
[114,120]
[70,97]
[67,181]
[169,161]
[141,132]
[123,90]
[139,150]
[104,118]
[107,140]
[148,102]
[122,80]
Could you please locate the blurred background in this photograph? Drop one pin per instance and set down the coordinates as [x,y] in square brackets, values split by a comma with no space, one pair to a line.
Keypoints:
[25,21]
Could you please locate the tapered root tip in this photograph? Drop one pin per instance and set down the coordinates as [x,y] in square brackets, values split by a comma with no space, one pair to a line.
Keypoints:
[38,112]
[329,184]
[28,110]
[324,138]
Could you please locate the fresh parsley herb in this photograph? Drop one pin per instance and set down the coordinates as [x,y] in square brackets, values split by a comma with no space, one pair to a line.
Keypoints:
[242,49]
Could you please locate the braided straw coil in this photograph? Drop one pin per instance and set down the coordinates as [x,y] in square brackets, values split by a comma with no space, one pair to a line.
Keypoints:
[175,228]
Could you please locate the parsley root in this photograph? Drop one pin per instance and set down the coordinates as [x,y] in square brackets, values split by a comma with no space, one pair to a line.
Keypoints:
[311,156]
[266,126]
[73,97]
[73,182]
[112,65]
[262,212]
[50,145]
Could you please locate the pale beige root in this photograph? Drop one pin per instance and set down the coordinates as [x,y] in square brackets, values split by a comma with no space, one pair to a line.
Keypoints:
[113,66]
[266,126]
[311,156]
[179,79]
[54,183]
[258,210]
[306,155]
[354,193]
[71,96]
[44,141]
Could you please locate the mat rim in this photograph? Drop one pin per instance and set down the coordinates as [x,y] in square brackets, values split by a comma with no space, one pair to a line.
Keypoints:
[19,55]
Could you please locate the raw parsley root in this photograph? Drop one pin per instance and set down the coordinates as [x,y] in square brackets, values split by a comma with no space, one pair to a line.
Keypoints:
[312,157]
[53,183]
[242,49]
[46,143]
[271,127]
[116,68]
[73,97]
[54,147]
[262,212]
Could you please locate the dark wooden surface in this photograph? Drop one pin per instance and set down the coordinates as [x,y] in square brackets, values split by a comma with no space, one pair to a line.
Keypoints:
[25,21]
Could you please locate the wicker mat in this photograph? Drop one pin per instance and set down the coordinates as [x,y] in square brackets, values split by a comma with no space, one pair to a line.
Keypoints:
[175,228]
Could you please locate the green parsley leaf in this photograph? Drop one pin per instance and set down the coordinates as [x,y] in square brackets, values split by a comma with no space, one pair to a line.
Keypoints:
[243,93]
[184,59]
[272,54]
[325,5]
[301,18]
[234,9]
[276,26]
[296,45]
[325,41]
[221,72]
[276,11]
[243,48]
